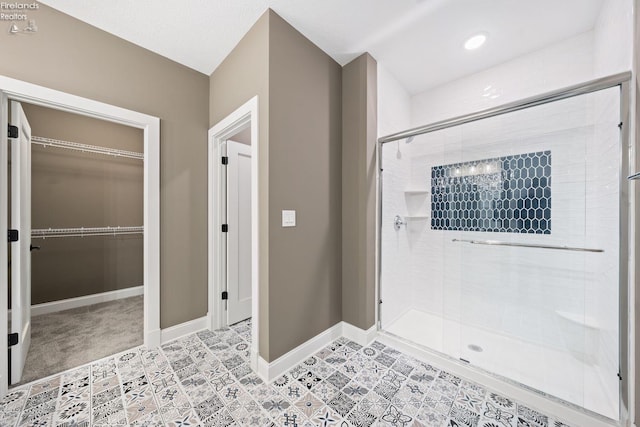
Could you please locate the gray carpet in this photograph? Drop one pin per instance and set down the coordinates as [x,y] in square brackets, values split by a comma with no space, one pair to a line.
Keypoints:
[66,339]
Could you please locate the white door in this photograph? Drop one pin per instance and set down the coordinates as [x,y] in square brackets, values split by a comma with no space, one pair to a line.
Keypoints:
[20,250]
[239,232]
[4,254]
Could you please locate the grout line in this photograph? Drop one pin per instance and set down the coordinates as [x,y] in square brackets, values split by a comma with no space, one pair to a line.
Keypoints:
[22,407]
[175,376]
[59,400]
[121,387]
[90,394]
[150,385]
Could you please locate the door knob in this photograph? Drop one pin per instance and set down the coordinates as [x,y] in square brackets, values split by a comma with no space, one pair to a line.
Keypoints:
[31,248]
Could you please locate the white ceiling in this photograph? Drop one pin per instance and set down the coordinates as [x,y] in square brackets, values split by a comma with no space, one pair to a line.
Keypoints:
[418,41]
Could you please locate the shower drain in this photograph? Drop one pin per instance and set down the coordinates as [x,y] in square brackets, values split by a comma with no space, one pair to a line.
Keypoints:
[474,347]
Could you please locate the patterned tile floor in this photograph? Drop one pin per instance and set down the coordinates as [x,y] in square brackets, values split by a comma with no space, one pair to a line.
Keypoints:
[204,379]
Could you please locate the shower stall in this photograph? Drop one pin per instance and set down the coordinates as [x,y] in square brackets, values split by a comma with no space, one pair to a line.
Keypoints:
[504,241]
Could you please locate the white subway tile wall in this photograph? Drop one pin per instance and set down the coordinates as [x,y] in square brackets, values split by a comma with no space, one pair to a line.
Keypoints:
[551,313]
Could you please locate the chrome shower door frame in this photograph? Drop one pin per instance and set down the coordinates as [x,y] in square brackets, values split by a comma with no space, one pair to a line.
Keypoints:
[629,157]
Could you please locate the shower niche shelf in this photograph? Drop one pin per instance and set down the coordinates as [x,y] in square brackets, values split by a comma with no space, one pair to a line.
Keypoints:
[418,203]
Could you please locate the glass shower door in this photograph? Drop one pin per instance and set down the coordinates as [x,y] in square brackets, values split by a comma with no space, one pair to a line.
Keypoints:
[420,290]
[500,246]
[539,249]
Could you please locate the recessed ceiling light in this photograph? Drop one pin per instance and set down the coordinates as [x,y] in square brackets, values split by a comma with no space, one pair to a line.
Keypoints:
[475,42]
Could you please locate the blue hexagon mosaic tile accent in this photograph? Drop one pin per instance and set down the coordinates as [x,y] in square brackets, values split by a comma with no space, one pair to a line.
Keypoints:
[510,194]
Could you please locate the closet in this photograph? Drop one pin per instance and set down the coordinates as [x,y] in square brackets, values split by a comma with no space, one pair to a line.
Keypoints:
[86,240]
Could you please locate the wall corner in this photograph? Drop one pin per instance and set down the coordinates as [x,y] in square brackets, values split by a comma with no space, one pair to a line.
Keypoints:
[359,139]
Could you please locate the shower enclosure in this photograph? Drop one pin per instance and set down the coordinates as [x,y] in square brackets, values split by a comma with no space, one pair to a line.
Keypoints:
[503,241]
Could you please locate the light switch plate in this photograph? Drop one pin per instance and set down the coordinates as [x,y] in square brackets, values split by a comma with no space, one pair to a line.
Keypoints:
[288,218]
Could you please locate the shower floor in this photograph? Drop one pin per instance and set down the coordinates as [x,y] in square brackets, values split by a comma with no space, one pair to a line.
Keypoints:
[545,369]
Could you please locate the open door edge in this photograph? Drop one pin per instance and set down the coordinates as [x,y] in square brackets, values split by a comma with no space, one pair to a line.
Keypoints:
[4,253]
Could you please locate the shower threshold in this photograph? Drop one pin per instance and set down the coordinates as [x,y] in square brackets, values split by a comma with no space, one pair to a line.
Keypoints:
[543,369]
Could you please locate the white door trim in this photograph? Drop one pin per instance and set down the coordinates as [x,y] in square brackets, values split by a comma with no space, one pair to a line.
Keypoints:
[27,92]
[245,115]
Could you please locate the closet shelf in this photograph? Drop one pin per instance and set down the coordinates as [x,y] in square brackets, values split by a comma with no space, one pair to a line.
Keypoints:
[56,143]
[43,233]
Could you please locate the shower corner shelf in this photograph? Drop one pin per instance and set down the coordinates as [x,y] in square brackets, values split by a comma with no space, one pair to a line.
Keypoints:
[416,217]
[416,191]
[582,320]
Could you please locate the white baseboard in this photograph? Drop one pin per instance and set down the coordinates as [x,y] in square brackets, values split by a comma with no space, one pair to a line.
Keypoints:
[254,360]
[262,368]
[270,371]
[67,304]
[362,337]
[186,328]
[153,338]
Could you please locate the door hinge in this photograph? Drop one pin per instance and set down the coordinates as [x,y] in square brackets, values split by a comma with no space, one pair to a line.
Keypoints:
[13,339]
[620,125]
[225,228]
[225,160]
[225,295]
[619,376]
[13,131]
[12,235]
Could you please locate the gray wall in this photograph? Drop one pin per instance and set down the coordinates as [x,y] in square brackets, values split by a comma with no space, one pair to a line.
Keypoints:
[305,126]
[359,135]
[75,189]
[300,118]
[242,75]
[299,89]
[69,55]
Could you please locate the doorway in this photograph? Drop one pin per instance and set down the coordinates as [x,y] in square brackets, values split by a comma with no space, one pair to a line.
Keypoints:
[238,235]
[12,90]
[233,222]
[76,201]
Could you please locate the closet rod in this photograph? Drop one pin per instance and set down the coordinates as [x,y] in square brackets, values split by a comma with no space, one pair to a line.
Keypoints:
[43,233]
[56,143]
